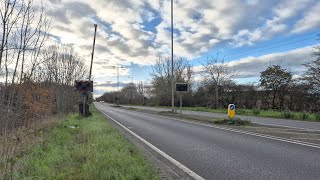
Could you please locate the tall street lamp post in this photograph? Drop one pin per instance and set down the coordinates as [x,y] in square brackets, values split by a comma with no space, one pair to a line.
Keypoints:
[117,97]
[172,77]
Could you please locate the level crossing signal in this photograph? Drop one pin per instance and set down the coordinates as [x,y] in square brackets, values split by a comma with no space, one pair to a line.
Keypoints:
[84,86]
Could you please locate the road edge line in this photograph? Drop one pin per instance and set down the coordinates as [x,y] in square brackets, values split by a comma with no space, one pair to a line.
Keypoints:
[248,117]
[302,143]
[163,154]
[292,127]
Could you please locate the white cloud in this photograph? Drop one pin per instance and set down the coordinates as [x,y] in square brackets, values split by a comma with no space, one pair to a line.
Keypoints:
[200,25]
[122,37]
[252,66]
[278,23]
[309,21]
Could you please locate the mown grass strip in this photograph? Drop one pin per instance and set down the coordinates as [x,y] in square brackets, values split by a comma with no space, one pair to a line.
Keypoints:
[304,116]
[85,148]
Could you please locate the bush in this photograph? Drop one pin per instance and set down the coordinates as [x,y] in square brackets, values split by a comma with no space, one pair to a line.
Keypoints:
[288,115]
[233,121]
[241,111]
[256,111]
[317,116]
[303,116]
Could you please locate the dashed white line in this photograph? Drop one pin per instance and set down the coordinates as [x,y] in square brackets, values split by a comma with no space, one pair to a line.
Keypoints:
[266,124]
[306,129]
[243,132]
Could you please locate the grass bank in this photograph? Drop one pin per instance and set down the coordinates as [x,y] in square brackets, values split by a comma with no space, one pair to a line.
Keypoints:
[81,148]
[264,113]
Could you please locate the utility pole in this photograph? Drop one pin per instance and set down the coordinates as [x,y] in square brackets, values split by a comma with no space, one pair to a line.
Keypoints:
[142,89]
[131,88]
[85,94]
[93,46]
[172,77]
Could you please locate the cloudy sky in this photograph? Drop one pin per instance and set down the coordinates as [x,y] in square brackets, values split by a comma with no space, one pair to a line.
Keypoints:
[251,34]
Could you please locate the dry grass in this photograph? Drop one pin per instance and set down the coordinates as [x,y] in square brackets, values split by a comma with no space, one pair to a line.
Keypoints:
[84,148]
[16,143]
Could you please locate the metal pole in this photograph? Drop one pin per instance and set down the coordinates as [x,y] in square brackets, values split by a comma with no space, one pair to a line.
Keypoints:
[84,106]
[132,79]
[117,87]
[92,54]
[180,103]
[172,78]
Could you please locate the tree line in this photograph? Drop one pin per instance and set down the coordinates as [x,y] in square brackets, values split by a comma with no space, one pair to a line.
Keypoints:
[36,79]
[276,89]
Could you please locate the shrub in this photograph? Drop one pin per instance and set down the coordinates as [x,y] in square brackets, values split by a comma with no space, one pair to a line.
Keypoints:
[304,116]
[317,116]
[241,111]
[256,111]
[233,121]
[288,115]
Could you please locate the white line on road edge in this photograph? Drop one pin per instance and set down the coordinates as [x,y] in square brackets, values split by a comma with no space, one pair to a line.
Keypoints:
[292,127]
[256,122]
[244,132]
[169,158]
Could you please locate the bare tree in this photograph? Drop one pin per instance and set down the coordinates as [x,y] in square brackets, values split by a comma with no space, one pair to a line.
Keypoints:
[312,75]
[62,65]
[24,28]
[9,18]
[215,72]
[162,77]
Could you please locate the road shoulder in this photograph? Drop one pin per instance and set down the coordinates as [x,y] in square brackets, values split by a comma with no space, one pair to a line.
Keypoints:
[164,168]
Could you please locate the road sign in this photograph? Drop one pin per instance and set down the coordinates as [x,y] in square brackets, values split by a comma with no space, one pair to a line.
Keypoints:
[231,110]
[84,86]
[182,87]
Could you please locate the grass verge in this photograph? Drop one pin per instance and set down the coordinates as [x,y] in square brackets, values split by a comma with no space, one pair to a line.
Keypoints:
[304,116]
[300,135]
[233,121]
[84,148]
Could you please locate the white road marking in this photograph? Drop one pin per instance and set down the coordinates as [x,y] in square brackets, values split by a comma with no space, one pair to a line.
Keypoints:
[266,124]
[169,158]
[243,132]
[306,129]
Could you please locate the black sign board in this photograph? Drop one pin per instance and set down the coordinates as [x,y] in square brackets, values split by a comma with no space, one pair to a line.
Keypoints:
[84,86]
[182,87]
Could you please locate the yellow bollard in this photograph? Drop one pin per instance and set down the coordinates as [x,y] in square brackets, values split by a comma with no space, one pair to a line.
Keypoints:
[231,110]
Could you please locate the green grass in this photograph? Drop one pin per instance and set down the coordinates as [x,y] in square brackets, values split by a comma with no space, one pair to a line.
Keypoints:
[304,116]
[92,150]
[263,113]
[233,121]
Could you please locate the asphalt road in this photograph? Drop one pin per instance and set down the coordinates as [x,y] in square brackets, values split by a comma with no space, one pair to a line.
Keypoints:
[215,153]
[306,125]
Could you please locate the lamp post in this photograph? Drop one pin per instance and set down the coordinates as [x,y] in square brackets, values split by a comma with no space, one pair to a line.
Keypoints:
[131,89]
[117,97]
[172,78]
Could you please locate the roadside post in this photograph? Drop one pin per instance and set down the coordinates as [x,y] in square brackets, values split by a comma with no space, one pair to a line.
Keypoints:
[180,103]
[84,87]
[84,97]
[182,88]
[231,111]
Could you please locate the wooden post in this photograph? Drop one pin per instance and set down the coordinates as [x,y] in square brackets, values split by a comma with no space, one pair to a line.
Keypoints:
[180,103]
